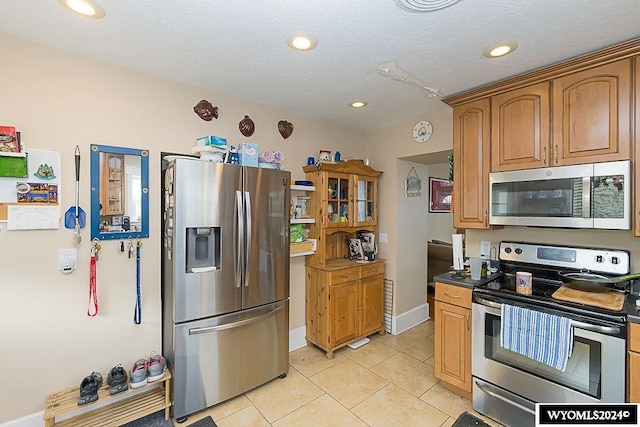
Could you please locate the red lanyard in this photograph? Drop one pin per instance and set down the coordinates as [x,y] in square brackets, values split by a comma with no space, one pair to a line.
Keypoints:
[93,289]
[93,294]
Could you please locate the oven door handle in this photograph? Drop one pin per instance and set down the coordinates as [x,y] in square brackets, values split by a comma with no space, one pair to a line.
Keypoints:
[488,303]
[486,389]
[609,330]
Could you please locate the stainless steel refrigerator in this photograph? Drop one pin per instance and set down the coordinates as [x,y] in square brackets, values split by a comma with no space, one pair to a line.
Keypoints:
[225,290]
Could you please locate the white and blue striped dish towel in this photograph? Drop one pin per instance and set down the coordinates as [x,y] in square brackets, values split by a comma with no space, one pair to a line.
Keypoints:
[543,337]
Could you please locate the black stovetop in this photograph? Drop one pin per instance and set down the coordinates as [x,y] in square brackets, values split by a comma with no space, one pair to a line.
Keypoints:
[545,282]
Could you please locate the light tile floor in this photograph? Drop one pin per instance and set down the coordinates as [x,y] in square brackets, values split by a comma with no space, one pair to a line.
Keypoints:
[387,382]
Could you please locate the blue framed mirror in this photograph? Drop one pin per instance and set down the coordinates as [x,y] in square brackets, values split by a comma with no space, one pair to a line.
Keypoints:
[119,192]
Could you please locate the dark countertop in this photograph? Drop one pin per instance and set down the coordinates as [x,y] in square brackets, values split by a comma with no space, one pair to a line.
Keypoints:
[466,282]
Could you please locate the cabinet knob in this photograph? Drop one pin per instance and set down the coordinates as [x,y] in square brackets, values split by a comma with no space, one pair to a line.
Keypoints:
[555,153]
[451,296]
[544,155]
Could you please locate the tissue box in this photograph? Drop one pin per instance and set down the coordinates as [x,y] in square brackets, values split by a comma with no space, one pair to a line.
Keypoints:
[211,141]
[248,153]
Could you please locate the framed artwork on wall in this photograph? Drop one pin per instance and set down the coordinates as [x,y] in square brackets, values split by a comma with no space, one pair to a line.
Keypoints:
[413,184]
[440,195]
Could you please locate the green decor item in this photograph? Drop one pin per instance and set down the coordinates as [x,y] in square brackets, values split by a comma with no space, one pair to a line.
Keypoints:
[13,167]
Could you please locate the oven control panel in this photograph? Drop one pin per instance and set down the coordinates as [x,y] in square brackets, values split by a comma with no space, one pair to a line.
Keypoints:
[609,261]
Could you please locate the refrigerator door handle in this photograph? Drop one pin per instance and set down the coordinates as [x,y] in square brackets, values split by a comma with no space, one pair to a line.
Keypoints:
[196,331]
[237,240]
[247,257]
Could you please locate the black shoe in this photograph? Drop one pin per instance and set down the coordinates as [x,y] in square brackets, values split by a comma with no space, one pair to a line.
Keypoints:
[89,388]
[117,379]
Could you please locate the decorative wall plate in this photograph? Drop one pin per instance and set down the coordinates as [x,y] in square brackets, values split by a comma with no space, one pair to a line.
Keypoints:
[285,128]
[247,127]
[422,131]
[205,110]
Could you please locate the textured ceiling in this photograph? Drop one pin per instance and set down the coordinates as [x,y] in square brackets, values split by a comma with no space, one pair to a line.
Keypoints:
[239,47]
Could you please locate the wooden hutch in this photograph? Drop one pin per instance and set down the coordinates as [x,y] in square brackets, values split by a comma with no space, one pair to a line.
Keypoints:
[344,298]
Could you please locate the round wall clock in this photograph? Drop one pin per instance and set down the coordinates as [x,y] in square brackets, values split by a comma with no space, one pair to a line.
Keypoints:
[422,131]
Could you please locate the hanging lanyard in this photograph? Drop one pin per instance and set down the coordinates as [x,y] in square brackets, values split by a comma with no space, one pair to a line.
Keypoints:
[93,288]
[137,313]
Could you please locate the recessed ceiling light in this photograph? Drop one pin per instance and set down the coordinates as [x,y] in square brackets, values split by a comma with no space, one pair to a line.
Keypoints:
[359,104]
[88,8]
[500,49]
[301,41]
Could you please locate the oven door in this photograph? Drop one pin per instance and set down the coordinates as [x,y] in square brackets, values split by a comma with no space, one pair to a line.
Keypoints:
[595,371]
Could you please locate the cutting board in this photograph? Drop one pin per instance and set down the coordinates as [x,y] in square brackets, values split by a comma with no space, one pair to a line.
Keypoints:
[608,300]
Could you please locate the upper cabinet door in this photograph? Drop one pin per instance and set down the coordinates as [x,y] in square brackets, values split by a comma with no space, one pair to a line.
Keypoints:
[591,115]
[471,165]
[365,192]
[520,128]
[336,200]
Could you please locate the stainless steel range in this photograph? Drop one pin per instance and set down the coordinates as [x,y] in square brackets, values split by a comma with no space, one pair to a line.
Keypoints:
[506,384]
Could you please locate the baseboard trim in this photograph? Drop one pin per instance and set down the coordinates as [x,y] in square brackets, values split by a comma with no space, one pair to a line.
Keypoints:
[33,420]
[409,319]
[297,338]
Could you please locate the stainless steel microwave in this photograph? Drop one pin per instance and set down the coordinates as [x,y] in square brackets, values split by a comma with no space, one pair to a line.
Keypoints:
[593,195]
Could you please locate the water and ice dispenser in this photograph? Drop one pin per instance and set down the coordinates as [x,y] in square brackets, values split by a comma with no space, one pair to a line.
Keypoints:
[203,249]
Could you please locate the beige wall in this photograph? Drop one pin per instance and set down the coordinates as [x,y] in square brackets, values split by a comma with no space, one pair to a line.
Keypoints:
[405,219]
[58,101]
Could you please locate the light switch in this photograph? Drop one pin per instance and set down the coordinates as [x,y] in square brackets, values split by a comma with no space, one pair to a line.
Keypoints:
[383,238]
[67,260]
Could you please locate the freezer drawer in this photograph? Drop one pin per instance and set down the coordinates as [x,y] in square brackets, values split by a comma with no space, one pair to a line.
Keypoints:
[219,358]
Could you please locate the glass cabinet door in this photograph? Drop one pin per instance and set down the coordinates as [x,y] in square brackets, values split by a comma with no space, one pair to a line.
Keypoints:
[365,201]
[338,210]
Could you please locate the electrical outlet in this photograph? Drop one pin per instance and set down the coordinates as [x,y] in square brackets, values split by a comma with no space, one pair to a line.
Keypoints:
[485,248]
[383,238]
[67,260]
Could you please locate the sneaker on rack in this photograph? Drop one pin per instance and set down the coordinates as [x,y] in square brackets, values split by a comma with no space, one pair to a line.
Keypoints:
[157,366]
[89,388]
[138,374]
[117,379]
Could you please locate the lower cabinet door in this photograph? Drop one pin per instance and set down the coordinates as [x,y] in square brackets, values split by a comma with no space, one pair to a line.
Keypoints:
[372,299]
[343,312]
[453,345]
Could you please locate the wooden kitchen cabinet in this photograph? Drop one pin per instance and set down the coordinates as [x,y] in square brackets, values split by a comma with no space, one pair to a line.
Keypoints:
[633,363]
[591,100]
[591,115]
[453,338]
[344,303]
[520,128]
[471,164]
[112,184]
[344,298]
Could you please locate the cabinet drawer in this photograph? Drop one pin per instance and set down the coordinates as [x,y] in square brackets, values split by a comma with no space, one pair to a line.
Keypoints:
[372,270]
[345,275]
[456,295]
[634,337]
